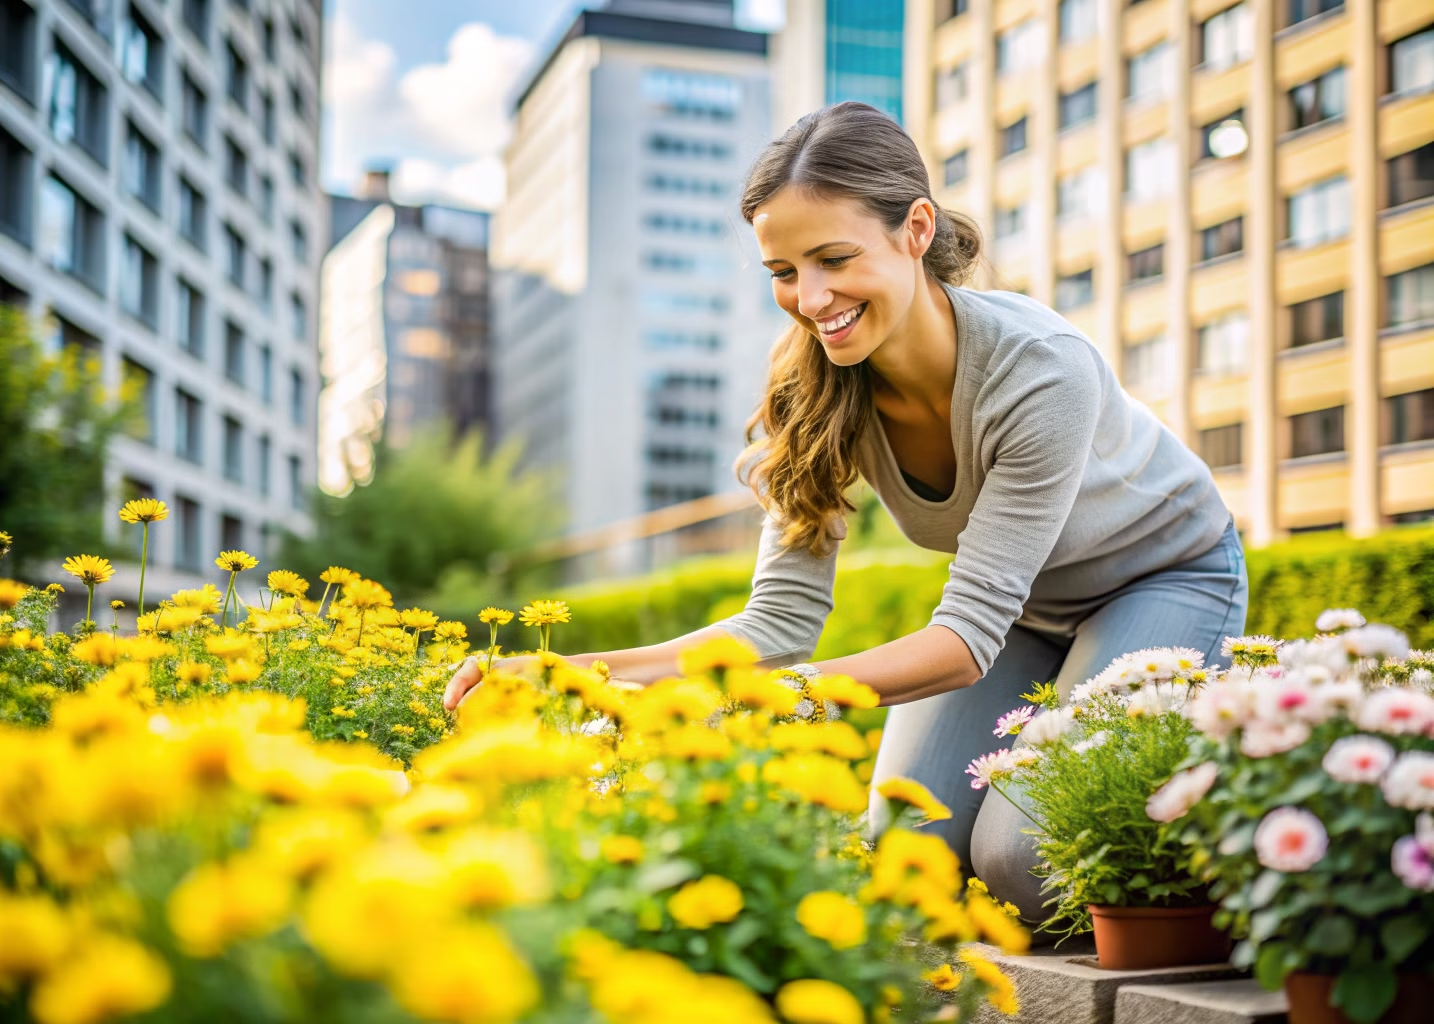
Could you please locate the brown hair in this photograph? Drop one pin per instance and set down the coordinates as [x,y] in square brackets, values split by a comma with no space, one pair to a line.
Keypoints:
[814,411]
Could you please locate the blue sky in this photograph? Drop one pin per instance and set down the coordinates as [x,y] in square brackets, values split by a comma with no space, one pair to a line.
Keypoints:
[424,86]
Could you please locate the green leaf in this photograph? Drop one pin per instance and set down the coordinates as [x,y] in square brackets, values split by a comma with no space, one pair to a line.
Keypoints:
[1331,936]
[1365,992]
[1265,888]
[1272,965]
[743,932]
[1264,924]
[1403,935]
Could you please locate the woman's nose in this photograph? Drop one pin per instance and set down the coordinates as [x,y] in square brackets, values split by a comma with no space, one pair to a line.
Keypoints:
[813,296]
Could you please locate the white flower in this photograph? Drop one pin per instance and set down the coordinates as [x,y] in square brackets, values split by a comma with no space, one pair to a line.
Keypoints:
[1012,722]
[1183,791]
[1264,739]
[1412,858]
[1048,727]
[988,766]
[1120,676]
[1022,757]
[1375,642]
[1358,759]
[1290,839]
[1334,620]
[1410,781]
[1187,658]
[1151,701]
[1096,740]
[1398,711]
[1220,708]
[1422,678]
[1155,664]
[1256,646]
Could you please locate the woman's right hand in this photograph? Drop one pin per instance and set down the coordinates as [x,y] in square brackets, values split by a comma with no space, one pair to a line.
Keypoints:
[471,672]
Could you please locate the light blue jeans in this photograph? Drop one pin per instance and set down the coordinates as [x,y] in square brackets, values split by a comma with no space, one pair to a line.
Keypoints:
[1196,603]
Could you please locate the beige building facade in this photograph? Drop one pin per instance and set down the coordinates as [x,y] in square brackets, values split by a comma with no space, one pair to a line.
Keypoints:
[1235,202]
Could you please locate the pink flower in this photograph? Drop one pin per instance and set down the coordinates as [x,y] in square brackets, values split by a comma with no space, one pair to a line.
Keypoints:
[1290,839]
[1412,858]
[1358,759]
[1220,708]
[1410,781]
[1398,711]
[1183,791]
[988,766]
[1264,739]
[1012,722]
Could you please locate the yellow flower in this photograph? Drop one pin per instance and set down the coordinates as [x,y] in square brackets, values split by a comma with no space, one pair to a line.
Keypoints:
[5,541]
[417,618]
[282,581]
[942,979]
[499,615]
[909,791]
[759,689]
[342,712]
[696,743]
[450,631]
[116,605]
[813,1001]
[96,649]
[362,593]
[435,979]
[402,730]
[543,613]
[846,691]
[229,645]
[107,977]
[37,935]
[996,925]
[10,593]
[710,900]
[1002,994]
[205,600]
[144,510]
[910,866]
[235,561]
[336,575]
[835,738]
[818,779]
[193,672]
[834,917]
[714,793]
[622,849]
[90,570]
[720,652]
[216,904]
[241,671]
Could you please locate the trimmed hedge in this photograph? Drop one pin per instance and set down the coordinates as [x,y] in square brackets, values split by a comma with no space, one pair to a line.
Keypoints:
[883,595]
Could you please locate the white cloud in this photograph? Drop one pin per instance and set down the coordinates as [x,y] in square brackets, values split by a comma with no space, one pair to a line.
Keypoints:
[463,103]
[358,70]
[479,183]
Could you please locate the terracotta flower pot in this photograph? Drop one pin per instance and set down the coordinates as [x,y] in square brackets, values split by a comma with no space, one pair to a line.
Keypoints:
[1308,996]
[1140,938]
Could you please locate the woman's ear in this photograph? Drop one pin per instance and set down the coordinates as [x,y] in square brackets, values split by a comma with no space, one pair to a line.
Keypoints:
[920,227]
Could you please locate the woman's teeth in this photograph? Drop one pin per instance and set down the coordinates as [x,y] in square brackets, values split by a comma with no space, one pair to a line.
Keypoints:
[838,323]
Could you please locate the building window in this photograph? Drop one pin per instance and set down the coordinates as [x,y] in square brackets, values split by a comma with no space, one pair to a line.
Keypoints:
[194,110]
[266,198]
[952,86]
[1320,213]
[16,164]
[191,319]
[1411,175]
[955,167]
[196,19]
[234,256]
[1149,170]
[1317,433]
[1013,138]
[299,241]
[1222,347]
[236,167]
[1019,47]
[296,482]
[234,353]
[265,457]
[143,170]
[1148,366]
[1075,290]
[679,94]
[298,174]
[1078,107]
[1224,137]
[233,452]
[1410,297]
[1304,10]
[299,103]
[71,236]
[193,215]
[137,385]
[268,123]
[298,317]
[231,533]
[188,427]
[187,544]
[1410,417]
[1077,20]
[236,77]
[1318,99]
[17,47]
[79,105]
[1010,221]
[266,284]
[1150,74]
[1222,447]
[1222,239]
[266,34]
[1316,320]
[296,397]
[141,54]
[1076,194]
[139,283]
[266,375]
[1145,264]
[680,146]
[1227,38]
[1411,63]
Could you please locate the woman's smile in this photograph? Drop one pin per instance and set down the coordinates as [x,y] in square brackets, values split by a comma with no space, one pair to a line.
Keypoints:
[833,330]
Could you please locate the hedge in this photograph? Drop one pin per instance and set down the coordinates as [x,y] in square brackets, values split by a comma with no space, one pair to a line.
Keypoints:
[883,595]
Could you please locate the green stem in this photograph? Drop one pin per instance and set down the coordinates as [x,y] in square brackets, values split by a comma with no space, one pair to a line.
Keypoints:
[89,604]
[544,632]
[1016,805]
[143,563]
[224,611]
[362,613]
[320,610]
[492,643]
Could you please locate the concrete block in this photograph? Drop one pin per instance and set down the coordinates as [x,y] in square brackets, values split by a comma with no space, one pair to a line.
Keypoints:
[1242,1001]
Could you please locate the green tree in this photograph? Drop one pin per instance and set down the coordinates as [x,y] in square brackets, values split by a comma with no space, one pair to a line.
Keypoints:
[439,516]
[56,421]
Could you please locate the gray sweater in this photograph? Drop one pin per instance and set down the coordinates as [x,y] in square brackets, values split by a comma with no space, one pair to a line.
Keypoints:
[1066,489]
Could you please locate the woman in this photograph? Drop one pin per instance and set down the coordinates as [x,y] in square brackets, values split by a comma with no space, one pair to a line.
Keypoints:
[989,427]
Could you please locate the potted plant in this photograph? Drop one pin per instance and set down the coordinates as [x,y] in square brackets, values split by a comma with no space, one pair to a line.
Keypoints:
[1085,773]
[1306,803]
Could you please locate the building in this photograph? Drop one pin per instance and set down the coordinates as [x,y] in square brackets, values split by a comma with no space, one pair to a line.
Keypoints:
[1232,199]
[833,50]
[632,318]
[159,209]
[403,334]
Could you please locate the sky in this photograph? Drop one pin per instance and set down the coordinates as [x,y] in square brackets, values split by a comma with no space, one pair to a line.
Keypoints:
[425,86]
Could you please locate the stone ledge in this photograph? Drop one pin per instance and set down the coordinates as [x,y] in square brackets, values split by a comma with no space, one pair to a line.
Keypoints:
[1241,1001]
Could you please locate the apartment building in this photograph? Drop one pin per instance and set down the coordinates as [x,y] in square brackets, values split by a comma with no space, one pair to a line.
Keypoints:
[160,211]
[827,51]
[1235,202]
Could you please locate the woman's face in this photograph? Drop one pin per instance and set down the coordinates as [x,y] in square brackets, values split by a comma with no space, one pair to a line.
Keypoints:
[838,271]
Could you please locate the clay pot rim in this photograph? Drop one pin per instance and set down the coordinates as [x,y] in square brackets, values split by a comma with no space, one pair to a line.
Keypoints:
[1105,910]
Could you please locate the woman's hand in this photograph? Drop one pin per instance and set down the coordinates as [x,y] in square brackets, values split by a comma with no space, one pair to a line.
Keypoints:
[471,672]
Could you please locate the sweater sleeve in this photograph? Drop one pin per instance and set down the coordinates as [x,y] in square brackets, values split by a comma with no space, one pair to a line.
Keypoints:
[1037,418]
[791,599]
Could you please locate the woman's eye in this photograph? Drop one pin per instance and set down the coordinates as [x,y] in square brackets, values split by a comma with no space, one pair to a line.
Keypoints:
[782,275]
[835,261]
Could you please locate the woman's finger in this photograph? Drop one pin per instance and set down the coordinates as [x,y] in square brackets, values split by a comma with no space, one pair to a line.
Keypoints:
[467,677]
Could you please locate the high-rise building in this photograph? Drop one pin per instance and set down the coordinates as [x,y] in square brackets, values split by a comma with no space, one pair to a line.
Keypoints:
[403,333]
[159,210]
[632,318]
[1232,199]
[828,51]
